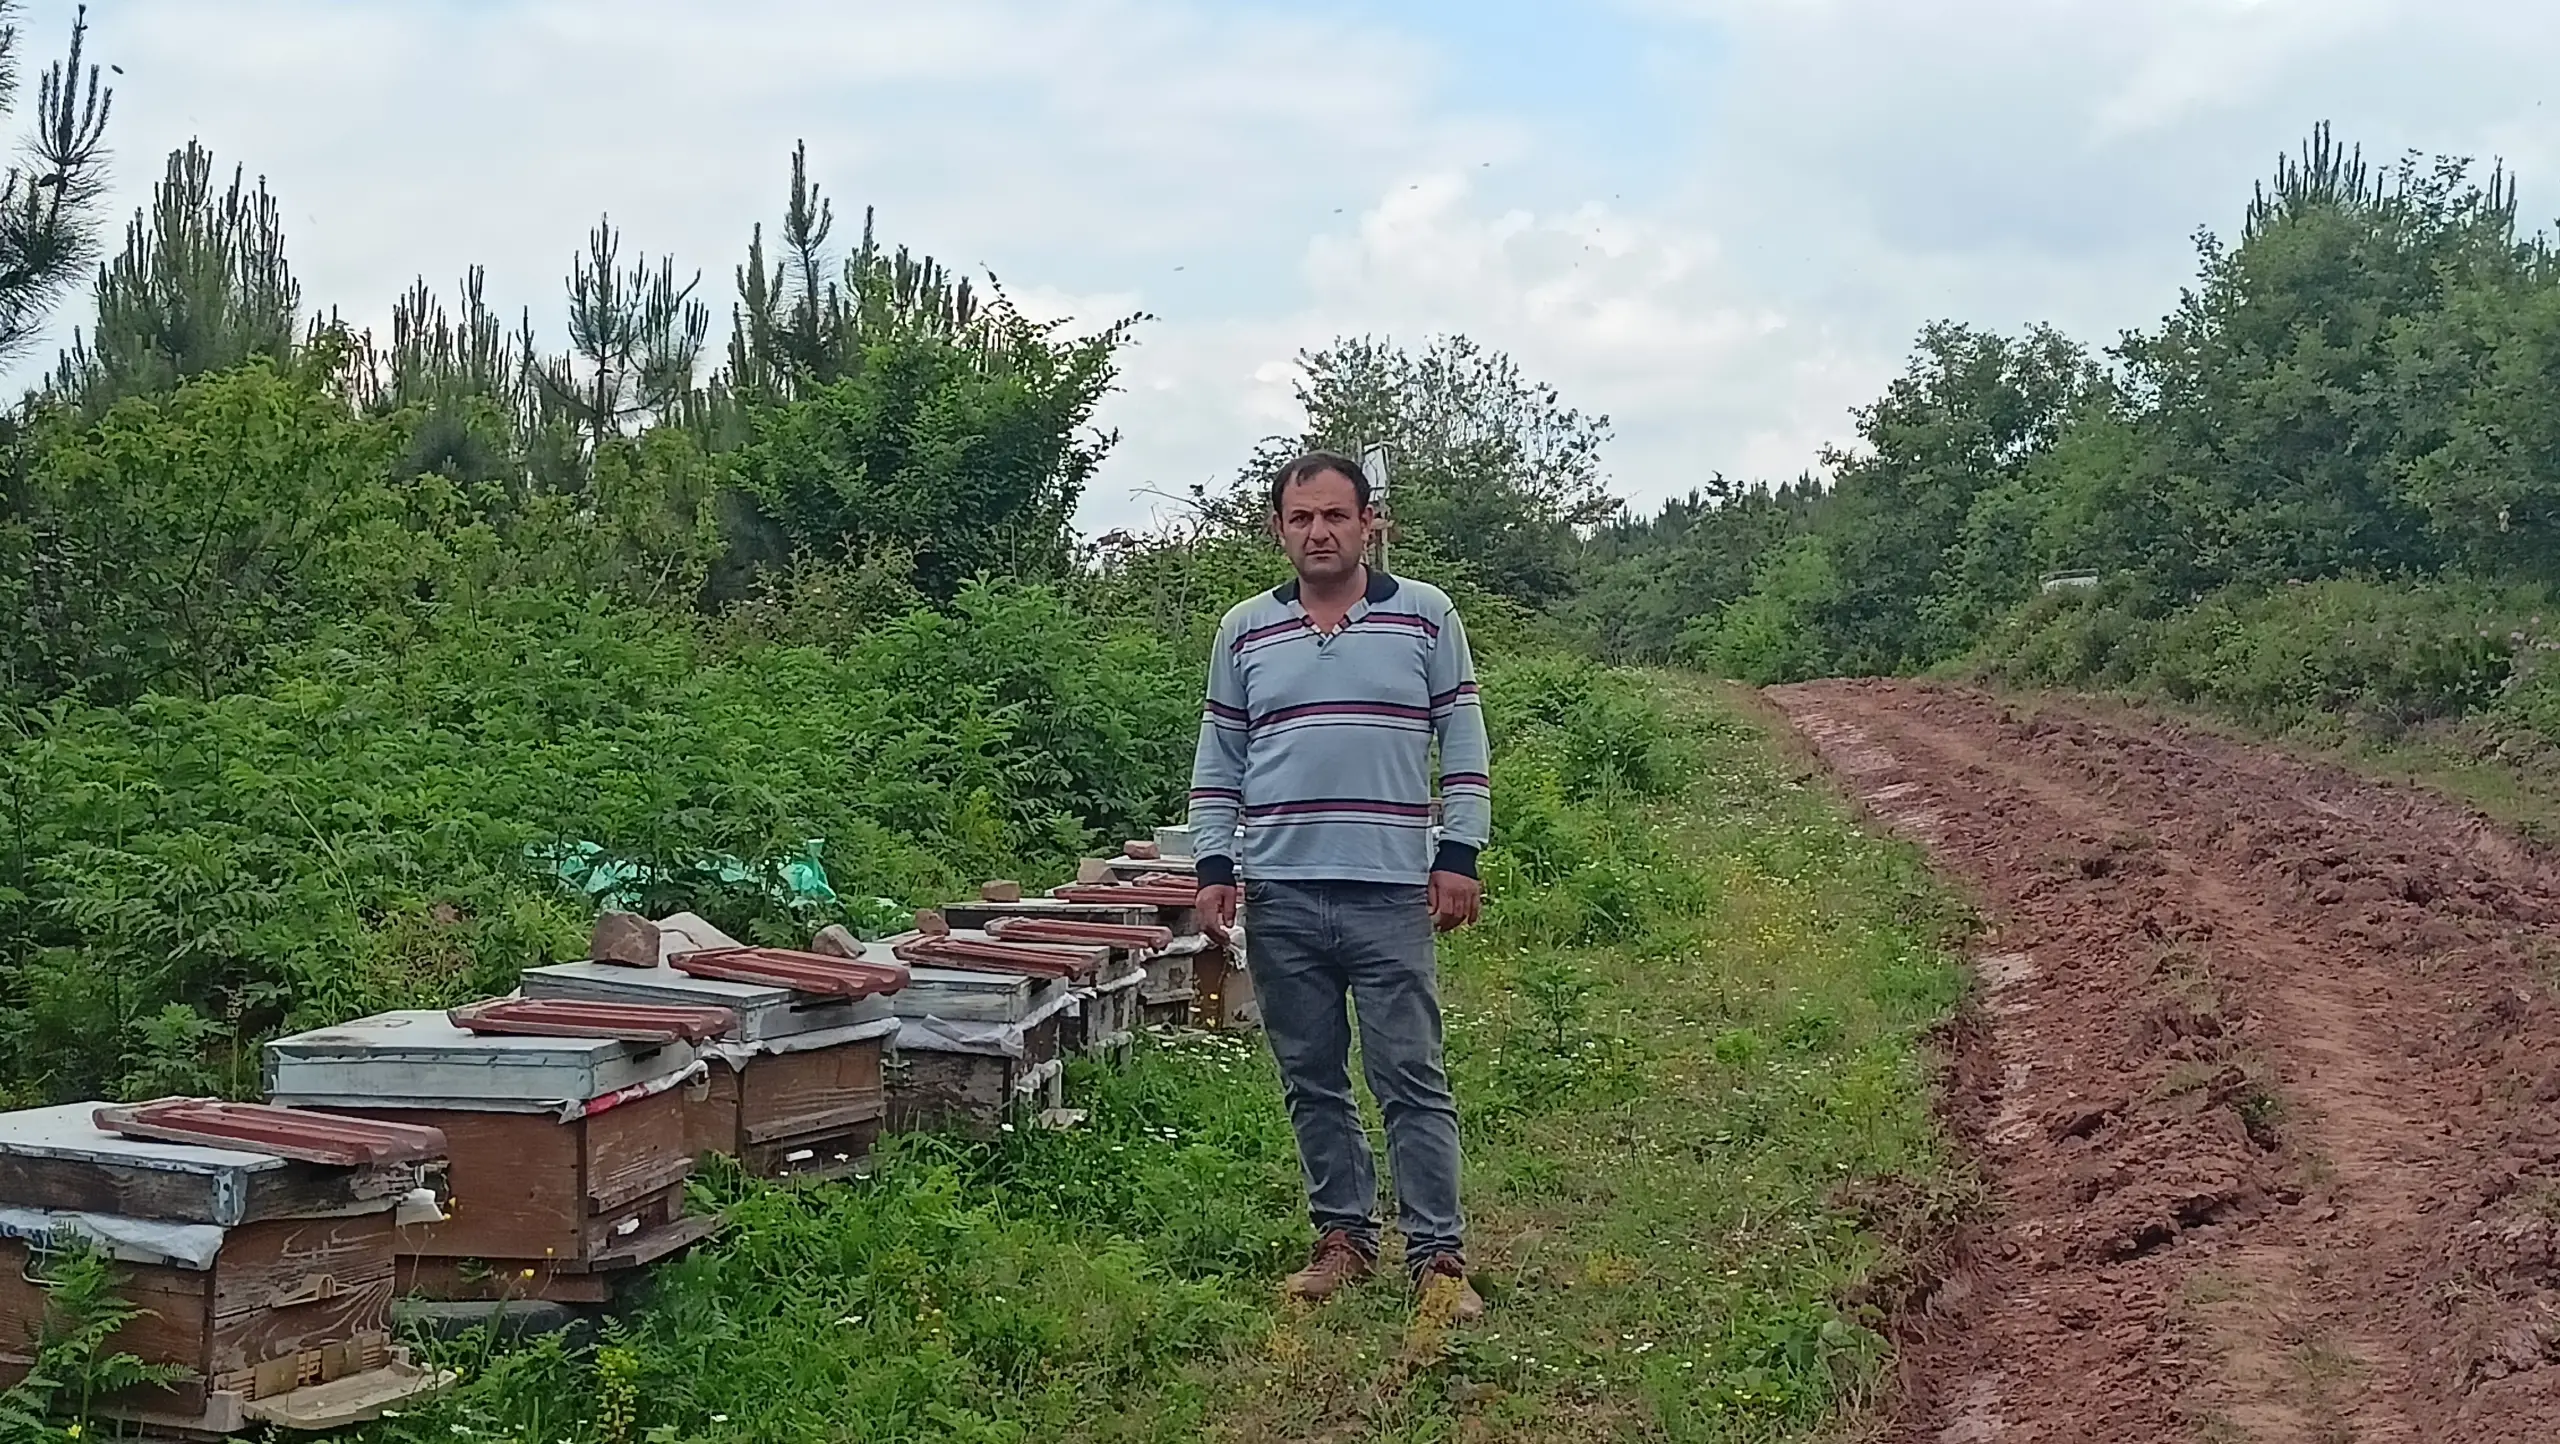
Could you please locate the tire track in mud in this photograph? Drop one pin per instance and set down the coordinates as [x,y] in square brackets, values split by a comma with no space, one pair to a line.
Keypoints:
[2265,1075]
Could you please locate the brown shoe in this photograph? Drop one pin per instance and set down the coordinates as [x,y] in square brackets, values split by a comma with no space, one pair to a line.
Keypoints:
[1441,1284]
[1339,1259]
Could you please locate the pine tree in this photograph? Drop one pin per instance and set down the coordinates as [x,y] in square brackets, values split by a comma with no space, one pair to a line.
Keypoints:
[47,209]
[635,341]
[805,322]
[201,285]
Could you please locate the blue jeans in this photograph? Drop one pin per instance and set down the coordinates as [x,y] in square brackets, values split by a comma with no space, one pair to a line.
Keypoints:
[1309,945]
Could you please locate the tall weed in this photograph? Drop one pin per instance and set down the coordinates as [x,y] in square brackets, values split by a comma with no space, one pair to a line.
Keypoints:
[354,831]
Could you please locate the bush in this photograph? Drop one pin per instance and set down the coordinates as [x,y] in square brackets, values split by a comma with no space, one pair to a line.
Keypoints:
[2384,655]
[1598,730]
[353,832]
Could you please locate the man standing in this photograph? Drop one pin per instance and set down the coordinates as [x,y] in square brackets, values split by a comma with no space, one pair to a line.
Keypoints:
[1325,697]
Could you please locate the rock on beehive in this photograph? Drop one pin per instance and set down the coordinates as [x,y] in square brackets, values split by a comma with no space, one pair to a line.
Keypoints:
[625,938]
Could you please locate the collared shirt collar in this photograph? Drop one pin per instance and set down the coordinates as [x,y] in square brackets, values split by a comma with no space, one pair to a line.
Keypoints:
[1381,587]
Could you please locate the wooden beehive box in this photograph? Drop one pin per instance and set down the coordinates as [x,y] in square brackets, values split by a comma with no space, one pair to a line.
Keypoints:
[1111,1012]
[568,1155]
[1108,1009]
[1165,998]
[1221,987]
[1180,916]
[1165,994]
[975,914]
[266,1279]
[799,1088]
[1101,1016]
[974,1048]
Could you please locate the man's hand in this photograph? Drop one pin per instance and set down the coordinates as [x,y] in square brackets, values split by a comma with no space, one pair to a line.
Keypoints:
[1456,899]
[1218,911]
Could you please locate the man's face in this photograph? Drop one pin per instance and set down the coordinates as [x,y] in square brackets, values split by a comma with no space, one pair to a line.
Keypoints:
[1323,527]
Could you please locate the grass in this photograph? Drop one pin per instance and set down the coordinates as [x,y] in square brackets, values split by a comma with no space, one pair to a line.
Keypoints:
[1689,1043]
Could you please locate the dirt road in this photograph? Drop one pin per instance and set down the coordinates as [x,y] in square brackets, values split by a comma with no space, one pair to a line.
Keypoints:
[2265,1078]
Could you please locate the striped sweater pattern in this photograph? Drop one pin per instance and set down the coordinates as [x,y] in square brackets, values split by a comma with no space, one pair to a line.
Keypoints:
[1321,746]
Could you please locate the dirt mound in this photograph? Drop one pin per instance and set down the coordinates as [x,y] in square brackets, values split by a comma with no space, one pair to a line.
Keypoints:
[2266,1080]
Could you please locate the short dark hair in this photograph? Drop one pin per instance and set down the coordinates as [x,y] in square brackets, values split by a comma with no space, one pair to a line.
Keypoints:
[1315,464]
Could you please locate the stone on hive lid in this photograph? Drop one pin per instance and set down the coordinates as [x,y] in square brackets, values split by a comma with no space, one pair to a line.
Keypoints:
[625,938]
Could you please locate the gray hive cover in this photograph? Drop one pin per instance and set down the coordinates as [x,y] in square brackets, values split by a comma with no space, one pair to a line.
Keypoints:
[964,996]
[960,995]
[764,1010]
[979,914]
[420,1060]
[1128,867]
[57,1155]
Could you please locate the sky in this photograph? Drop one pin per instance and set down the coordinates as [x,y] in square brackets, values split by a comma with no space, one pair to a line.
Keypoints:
[1721,223]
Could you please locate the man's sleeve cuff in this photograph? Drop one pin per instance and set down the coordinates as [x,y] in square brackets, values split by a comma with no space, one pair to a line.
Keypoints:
[1216,871]
[1455,857]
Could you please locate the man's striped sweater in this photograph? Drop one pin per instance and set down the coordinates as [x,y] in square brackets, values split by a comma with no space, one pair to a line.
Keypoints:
[1321,745]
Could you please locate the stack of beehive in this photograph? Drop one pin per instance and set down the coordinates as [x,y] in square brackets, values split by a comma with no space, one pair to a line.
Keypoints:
[796,1090]
[567,1129]
[1196,979]
[258,1242]
[268,1241]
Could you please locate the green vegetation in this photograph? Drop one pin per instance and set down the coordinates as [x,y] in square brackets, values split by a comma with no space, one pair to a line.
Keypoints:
[325,643]
[2450,683]
[1689,1042]
[334,645]
[2322,491]
[186,875]
[332,642]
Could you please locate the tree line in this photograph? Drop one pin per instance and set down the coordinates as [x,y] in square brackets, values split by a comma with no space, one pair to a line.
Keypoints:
[2360,386]
[2357,386]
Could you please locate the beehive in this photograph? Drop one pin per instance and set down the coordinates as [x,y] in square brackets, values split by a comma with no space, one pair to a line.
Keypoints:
[1108,1009]
[266,1279]
[973,1048]
[1165,993]
[568,1155]
[798,1089]
[1221,986]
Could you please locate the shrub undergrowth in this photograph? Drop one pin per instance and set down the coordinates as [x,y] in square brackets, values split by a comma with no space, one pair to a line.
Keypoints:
[183,876]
